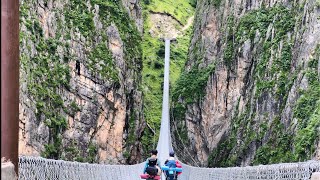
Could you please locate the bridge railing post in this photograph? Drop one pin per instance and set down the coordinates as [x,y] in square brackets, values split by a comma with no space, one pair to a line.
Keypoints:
[10,80]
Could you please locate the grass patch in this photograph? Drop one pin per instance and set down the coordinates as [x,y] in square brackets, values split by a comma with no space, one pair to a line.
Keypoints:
[180,9]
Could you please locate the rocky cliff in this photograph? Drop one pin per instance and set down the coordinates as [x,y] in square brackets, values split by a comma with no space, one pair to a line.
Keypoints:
[79,80]
[250,93]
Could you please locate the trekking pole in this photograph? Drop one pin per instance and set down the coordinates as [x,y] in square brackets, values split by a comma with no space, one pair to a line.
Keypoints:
[154,138]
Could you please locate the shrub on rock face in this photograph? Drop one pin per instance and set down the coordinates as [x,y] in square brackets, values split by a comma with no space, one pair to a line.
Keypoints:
[158,65]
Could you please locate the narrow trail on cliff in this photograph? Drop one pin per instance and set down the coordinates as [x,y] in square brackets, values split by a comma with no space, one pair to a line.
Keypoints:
[189,23]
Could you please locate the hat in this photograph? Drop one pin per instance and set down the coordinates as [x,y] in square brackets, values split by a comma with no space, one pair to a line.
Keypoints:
[171,154]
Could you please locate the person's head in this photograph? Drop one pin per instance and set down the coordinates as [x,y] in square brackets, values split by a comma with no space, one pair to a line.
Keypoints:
[154,152]
[171,154]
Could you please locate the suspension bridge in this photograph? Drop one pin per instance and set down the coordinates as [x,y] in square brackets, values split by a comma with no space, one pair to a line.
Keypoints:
[47,169]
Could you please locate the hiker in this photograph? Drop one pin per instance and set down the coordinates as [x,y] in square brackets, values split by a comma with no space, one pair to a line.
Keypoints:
[152,166]
[172,163]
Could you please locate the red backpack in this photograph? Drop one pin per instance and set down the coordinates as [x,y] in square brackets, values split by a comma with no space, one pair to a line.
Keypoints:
[178,166]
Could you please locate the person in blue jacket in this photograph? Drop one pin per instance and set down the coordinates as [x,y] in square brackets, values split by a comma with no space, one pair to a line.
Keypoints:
[172,163]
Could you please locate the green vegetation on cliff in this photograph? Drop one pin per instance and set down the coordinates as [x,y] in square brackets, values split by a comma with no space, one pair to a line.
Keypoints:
[307,111]
[46,74]
[190,85]
[46,58]
[271,32]
[286,147]
[188,89]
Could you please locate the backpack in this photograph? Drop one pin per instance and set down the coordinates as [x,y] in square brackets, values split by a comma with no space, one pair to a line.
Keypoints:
[171,164]
[152,169]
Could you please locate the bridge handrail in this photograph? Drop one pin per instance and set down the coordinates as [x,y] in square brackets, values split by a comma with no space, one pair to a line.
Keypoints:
[285,171]
[42,168]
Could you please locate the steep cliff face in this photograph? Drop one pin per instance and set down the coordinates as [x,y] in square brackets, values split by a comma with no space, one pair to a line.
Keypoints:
[79,80]
[134,9]
[250,93]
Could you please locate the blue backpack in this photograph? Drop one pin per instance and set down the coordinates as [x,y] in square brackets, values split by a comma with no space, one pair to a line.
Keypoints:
[171,173]
[171,164]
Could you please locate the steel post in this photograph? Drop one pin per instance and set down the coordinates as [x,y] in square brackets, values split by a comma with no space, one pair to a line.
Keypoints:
[10,80]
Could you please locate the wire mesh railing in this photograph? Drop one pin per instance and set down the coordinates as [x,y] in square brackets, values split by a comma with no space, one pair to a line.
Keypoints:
[283,171]
[38,168]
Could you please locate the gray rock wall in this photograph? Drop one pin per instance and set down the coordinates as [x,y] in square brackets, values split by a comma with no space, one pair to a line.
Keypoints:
[79,79]
[250,103]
